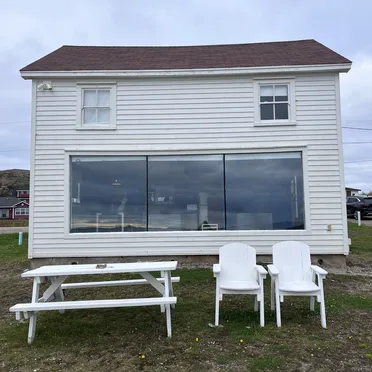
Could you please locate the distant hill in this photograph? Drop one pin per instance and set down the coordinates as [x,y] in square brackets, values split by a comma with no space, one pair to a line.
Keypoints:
[12,180]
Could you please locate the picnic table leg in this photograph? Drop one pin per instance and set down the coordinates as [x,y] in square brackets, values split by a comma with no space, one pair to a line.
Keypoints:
[173,306]
[167,279]
[58,294]
[33,318]
[162,307]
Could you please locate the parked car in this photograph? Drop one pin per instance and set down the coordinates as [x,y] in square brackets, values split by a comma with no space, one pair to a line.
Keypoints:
[359,203]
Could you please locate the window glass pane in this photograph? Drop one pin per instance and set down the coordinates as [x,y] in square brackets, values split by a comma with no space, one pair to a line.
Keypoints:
[185,193]
[90,97]
[267,112]
[104,98]
[90,116]
[264,194]
[281,93]
[108,194]
[281,111]
[103,116]
[266,93]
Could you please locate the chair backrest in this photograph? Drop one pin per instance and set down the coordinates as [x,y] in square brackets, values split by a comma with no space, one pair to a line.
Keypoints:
[292,259]
[237,262]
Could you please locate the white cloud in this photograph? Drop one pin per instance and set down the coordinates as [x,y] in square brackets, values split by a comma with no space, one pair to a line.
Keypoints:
[356,88]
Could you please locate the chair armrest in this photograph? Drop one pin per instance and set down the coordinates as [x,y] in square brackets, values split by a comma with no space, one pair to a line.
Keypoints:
[273,271]
[261,270]
[216,269]
[318,270]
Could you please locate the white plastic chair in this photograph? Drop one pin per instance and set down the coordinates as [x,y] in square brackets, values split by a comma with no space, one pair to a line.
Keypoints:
[293,275]
[237,273]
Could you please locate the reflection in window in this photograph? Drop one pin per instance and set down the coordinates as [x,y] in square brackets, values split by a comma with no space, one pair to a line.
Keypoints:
[264,191]
[108,194]
[185,193]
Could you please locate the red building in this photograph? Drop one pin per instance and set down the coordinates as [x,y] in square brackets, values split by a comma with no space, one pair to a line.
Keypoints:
[15,208]
[23,195]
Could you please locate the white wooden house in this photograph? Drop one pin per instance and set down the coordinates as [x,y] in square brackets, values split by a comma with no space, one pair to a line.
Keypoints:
[146,151]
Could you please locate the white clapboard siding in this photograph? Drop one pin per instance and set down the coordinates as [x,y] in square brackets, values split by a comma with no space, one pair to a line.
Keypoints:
[214,114]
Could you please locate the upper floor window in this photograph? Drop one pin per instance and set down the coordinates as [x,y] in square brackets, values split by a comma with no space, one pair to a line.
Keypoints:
[96,106]
[274,102]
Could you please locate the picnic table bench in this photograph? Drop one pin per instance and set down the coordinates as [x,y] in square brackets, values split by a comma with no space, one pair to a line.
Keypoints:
[57,274]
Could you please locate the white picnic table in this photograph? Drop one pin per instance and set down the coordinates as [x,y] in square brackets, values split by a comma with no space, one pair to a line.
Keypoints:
[57,274]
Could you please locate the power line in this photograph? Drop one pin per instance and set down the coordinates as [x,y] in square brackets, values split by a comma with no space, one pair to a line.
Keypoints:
[355,143]
[357,128]
[358,161]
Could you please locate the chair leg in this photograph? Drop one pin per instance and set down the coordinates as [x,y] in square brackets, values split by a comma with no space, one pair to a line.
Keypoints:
[272,303]
[255,303]
[217,314]
[262,312]
[277,304]
[322,311]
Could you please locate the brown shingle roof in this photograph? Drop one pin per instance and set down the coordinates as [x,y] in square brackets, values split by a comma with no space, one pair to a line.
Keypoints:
[286,53]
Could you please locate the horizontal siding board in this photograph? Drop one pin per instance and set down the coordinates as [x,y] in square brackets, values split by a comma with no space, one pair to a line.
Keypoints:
[184,134]
[184,128]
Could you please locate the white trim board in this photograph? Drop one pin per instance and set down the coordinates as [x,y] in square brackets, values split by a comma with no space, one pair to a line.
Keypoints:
[32,171]
[343,67]
[341,164]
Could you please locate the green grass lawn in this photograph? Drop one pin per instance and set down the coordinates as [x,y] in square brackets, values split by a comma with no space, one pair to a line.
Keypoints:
[132,339]
[361,240]
[13,223]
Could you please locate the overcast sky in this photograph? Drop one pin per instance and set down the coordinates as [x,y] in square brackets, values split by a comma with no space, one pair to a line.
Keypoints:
[31,29]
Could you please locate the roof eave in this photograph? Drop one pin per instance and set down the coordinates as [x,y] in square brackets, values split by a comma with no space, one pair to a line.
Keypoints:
[342,67]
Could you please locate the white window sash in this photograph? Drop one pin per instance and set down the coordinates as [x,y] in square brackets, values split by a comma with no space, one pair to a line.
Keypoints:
[274,101]
[96,107]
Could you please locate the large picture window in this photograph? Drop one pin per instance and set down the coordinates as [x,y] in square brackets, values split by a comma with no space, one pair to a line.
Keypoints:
[187,193]
[108,194]
[264,191]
